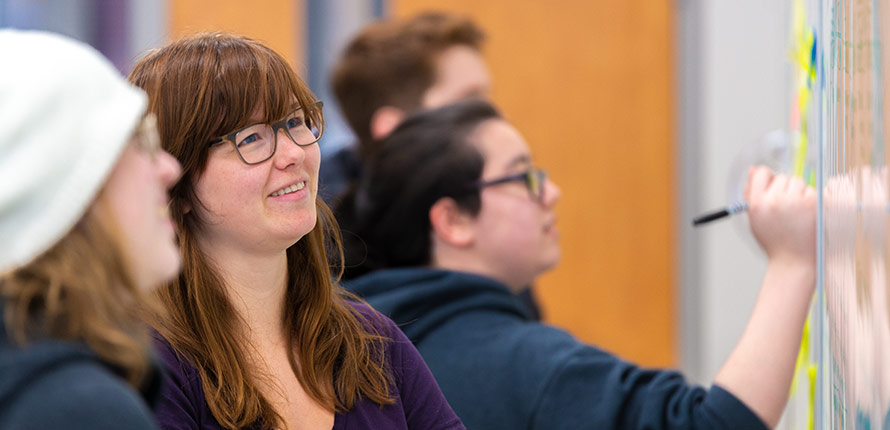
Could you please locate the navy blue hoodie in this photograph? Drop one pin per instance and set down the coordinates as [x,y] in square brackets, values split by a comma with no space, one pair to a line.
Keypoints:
[53,384]
[499,369]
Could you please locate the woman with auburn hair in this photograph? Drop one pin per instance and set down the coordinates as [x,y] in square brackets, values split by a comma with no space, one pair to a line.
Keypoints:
[84,233]
[258,335]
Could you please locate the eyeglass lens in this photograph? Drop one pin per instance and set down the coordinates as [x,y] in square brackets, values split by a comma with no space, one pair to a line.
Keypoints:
[257,143]
[535,179]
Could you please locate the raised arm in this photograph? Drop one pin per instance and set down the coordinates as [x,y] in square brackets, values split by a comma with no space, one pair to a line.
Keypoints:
[782,215]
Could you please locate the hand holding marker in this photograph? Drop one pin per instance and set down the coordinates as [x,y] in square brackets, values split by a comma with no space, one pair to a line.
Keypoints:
[806,58]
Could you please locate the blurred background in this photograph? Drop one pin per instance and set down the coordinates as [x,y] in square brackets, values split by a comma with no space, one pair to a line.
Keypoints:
[638,110]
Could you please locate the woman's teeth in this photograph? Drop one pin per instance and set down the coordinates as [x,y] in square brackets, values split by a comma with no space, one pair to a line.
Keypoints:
[287,190]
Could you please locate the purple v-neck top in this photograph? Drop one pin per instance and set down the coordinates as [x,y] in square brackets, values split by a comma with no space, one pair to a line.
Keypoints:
[419,403]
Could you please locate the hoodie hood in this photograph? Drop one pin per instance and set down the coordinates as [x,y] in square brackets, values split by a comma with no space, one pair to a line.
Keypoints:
[21,365]
[421,299]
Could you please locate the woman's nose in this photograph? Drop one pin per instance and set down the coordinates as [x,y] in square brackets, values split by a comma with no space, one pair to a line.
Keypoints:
[169,168]
[552,193]
[287,152]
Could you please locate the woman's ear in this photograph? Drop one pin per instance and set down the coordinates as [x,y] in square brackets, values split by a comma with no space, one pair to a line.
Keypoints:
[451,224]
[385,120]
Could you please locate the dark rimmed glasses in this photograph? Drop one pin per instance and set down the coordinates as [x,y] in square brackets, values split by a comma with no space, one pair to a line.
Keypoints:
[533,178]
[257,143]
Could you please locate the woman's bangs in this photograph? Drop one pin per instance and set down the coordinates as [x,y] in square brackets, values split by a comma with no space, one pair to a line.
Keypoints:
[282,89]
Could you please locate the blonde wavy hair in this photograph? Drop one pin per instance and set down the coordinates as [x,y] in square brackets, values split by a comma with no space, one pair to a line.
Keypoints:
[81,290]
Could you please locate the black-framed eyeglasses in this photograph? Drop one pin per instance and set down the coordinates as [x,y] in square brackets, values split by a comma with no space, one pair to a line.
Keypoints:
[257,143]
[533,178]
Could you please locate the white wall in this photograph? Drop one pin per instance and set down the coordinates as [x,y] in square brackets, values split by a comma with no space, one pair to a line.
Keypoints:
[733,89]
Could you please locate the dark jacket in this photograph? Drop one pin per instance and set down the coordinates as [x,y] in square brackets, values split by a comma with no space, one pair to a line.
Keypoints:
[337,172]
[499,369]
[52,384]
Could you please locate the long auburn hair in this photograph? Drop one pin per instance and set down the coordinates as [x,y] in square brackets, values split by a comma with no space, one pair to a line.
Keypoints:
[201,87]
[81,290]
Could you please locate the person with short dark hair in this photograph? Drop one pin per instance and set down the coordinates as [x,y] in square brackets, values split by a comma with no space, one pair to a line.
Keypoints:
[456,218]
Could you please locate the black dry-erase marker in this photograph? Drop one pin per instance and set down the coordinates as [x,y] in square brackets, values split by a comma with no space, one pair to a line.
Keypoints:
[722,213]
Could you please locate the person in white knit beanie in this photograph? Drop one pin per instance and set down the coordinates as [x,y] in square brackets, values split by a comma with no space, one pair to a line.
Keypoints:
[84,235]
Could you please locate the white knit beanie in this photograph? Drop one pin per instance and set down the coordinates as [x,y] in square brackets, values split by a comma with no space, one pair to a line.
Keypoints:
[65,116]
